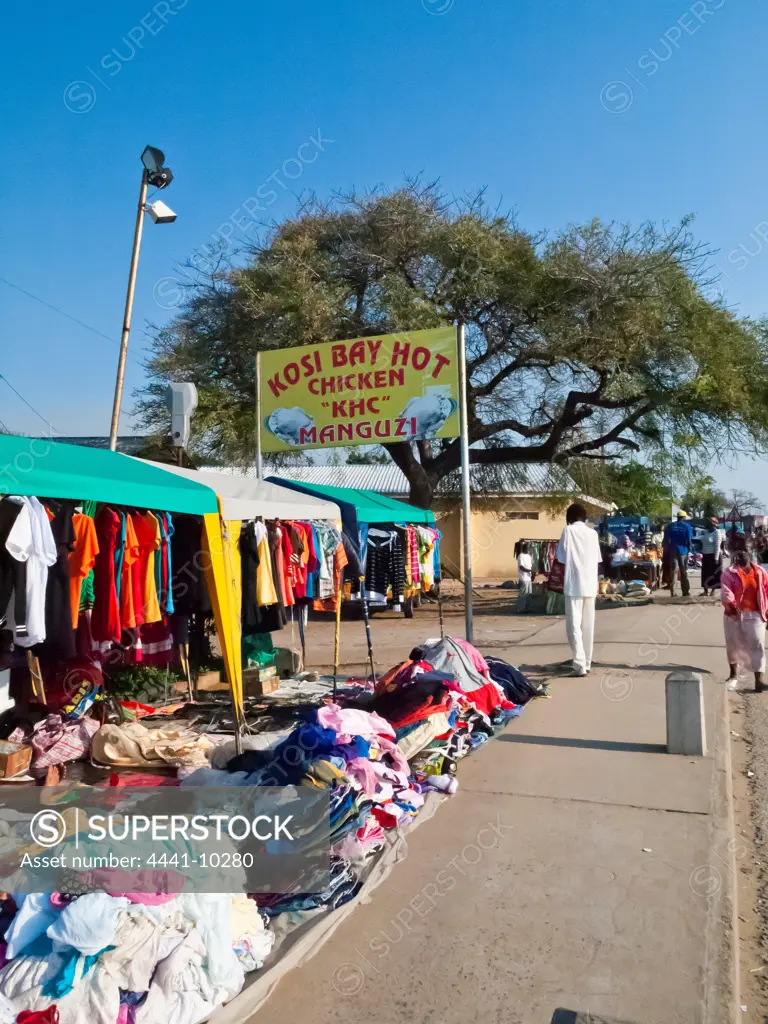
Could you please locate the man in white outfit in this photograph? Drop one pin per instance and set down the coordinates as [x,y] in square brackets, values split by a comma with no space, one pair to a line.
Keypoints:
[579,550]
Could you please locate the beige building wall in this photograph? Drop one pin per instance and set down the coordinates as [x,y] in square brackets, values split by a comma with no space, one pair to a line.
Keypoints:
[494,534]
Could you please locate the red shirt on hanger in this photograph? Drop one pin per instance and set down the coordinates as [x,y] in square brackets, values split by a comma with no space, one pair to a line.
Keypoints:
[105,622]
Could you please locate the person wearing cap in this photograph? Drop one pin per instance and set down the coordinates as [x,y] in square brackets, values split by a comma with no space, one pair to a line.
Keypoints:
[678,538]
[711,557]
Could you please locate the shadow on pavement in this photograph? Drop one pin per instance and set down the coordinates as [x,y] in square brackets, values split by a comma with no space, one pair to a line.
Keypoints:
[574,1017]
[572,741]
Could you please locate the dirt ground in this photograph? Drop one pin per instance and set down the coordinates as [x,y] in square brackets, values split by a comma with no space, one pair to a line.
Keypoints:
[495,620]
[749,723]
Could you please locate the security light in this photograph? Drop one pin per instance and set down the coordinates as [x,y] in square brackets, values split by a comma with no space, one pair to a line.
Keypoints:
[153,158]
[158,176]
[160,213]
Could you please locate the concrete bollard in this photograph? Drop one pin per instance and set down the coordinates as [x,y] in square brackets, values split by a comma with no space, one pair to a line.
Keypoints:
[686,733]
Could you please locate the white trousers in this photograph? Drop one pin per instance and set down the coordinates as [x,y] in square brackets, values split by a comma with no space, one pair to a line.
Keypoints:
[580,629]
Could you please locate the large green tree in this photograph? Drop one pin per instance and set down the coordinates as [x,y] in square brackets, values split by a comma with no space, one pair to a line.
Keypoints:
[635,488]
[595,343]
[702,497]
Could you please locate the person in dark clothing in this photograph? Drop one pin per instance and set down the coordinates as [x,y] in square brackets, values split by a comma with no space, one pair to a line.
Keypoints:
[678,538]
[711,557]
[607,548]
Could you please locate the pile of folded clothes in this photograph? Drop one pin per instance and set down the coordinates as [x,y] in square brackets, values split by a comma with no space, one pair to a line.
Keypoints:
[103,958]
[379,755]
[107,957]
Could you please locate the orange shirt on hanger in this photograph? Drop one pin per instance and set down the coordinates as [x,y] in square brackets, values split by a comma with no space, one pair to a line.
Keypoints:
[81,559]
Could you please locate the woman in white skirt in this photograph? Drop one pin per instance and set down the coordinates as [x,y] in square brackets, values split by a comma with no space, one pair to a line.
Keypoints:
[744,595]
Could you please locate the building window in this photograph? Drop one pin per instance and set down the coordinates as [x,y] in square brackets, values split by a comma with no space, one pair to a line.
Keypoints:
[521,515]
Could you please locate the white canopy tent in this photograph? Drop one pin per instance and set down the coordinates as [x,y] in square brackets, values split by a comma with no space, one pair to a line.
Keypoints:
[245,498]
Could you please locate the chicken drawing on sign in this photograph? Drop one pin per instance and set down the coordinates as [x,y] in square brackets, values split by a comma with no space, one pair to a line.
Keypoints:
[429,413]
[288,425]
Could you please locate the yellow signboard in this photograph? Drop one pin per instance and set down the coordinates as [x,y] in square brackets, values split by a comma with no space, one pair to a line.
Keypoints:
[377,390]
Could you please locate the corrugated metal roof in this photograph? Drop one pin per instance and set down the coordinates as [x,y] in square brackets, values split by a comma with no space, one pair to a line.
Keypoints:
[520,479]
[517,479]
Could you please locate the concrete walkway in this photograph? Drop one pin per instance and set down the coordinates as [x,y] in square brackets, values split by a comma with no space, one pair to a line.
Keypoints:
[579,865]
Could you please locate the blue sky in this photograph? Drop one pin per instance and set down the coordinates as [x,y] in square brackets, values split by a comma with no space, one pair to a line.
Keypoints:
[563,109]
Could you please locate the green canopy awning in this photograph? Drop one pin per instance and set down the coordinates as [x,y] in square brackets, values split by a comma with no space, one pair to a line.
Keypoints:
[36,466]
[369,506]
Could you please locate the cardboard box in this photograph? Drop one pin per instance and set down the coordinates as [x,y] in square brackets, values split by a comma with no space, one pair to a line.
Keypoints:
[260,680]
[210,681]
[15,758]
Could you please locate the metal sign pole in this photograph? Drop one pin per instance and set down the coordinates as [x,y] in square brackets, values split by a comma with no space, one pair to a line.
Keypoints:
[259,467]
[466,506]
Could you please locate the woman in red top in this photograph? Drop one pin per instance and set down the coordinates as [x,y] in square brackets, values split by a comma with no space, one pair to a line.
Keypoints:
[744,594]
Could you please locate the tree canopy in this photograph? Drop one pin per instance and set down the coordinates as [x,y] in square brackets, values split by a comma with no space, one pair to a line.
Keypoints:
[635,488]
[596,343]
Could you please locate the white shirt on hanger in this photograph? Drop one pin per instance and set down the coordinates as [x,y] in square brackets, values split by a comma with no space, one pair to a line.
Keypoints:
[31,541]
[524,567]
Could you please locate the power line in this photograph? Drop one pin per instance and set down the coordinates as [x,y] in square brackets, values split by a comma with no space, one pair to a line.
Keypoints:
[23,399]
[56,309]
[69,316]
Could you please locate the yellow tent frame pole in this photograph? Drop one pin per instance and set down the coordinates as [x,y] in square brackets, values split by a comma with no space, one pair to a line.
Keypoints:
[223,587]
[337,638]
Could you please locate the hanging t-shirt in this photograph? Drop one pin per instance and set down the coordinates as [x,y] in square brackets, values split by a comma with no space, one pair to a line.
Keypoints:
[81,559]
[385,566]
[524,567]
[148,535]
[31,541]
[266,592]
[13,576]
[59,632]
[105,624]
[163,564]
[130,615]
[188,578]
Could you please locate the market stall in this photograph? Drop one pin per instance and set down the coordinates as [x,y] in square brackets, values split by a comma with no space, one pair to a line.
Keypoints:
[398,545]
[95,951]
[306,529]
[147,554]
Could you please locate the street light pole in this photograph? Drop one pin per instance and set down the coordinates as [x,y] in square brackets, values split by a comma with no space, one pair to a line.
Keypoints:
[128,311]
